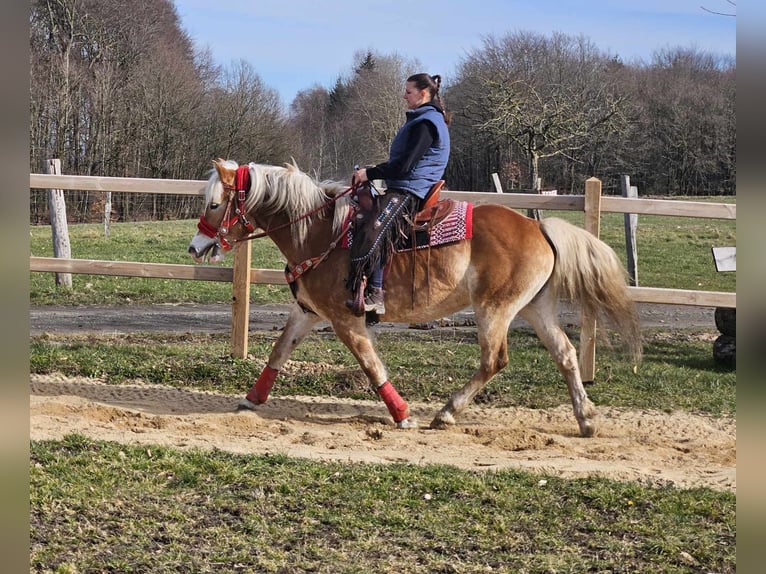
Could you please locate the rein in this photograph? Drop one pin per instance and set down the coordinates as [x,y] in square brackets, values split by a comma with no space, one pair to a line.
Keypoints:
[292,273]
[297,219]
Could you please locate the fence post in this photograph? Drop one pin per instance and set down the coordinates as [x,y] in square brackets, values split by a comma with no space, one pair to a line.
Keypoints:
[631,226]
[535,213]
[240,299]
[107,213]
[588,323]
[496,181]
[59,227]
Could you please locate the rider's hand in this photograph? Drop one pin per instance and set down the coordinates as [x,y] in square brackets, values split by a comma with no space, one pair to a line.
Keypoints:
[359,176]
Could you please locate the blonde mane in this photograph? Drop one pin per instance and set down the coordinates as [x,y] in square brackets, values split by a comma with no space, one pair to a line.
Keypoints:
[289,191]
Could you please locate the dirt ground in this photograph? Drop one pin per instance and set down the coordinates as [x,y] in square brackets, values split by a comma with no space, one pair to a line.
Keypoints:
[653,447]
[175,318]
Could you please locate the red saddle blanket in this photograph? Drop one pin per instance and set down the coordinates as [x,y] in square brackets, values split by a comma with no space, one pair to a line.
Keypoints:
[456,226]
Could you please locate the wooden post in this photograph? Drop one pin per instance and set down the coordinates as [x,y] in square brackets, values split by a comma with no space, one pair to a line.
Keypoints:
[535,213]
[107,213]
[588,324]
[496,181]
[240,299]
[631,225]
[59,227]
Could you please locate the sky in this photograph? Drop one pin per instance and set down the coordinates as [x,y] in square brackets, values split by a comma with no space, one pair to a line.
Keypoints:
[294,45]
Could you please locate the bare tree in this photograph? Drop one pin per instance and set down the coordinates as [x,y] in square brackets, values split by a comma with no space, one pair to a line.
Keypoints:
[546,95]
[122,92]
[377,107]
[360,116]
[245,121]
[310,130]
[686,130]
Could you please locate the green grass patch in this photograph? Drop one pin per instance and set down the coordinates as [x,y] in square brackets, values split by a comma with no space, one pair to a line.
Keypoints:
[103,507]
[147,242]
[677,372]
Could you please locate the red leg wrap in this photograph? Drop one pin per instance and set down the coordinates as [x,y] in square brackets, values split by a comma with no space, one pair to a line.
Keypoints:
[396,405]
[259,392]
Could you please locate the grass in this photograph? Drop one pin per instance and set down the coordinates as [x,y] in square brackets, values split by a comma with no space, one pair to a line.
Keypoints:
[102,507]
[149,242]
[677,373]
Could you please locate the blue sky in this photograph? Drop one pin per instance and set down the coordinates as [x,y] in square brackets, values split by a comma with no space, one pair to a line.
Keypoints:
[296,44]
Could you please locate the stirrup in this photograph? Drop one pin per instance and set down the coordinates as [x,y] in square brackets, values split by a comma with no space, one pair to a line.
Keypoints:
[357,303]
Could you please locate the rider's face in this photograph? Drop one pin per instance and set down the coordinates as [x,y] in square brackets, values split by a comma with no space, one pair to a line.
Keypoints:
[413,96]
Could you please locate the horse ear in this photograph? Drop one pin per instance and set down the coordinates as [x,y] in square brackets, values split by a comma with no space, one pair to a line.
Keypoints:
[225,174]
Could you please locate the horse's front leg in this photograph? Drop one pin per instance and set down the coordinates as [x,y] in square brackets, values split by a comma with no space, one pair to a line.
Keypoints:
[299,324]
[354,334]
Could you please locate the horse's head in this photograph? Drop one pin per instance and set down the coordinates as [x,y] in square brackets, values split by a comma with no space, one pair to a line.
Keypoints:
[286,203]
[224,218]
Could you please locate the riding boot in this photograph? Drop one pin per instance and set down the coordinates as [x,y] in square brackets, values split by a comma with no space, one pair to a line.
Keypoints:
[374,301]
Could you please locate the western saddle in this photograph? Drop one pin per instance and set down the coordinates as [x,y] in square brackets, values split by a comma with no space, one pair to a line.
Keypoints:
[433,209]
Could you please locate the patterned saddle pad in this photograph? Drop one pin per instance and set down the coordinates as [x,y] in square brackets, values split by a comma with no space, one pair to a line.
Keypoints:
[456,226]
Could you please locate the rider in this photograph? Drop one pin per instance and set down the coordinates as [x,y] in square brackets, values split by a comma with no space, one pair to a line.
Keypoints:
[417,160]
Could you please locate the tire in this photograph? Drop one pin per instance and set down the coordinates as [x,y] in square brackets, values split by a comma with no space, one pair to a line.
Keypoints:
[725,351]
[726,321]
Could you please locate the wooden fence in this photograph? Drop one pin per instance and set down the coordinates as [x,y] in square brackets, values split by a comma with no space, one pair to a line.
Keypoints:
[242,275]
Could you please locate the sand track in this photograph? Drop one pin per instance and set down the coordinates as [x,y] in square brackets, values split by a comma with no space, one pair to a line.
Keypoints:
[682,449]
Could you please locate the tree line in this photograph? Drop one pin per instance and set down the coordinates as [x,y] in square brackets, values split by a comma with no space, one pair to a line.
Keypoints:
[118,92]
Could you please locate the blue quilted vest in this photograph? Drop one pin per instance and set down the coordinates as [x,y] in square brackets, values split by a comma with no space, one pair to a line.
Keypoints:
[430,168]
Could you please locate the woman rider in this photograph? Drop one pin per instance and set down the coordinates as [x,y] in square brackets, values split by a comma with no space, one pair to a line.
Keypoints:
[417,160]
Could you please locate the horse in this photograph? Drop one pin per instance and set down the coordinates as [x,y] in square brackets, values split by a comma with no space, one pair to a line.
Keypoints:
[512,265]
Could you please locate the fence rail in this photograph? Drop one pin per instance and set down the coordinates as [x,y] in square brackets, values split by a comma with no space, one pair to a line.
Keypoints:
[129,184]
[151,270]
[516,200]
[592,204]
[275,277]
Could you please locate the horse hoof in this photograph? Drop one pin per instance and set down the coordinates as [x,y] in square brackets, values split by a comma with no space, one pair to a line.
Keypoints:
[587,429]
[407,423]
[442,421]
[245,404]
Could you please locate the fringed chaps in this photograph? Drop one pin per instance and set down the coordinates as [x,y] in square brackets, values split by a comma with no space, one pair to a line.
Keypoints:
[376,232]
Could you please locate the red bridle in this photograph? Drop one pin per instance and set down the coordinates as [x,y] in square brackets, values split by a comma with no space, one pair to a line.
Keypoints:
[240,189]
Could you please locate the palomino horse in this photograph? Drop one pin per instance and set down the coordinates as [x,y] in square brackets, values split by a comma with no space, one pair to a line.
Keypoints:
[512,265]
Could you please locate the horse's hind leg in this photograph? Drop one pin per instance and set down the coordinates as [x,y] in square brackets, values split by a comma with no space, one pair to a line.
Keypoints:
[299,324]
[542,315]
[493,340]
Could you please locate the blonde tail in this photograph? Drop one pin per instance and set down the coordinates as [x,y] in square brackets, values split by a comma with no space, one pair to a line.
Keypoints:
[588,272]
